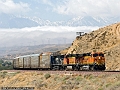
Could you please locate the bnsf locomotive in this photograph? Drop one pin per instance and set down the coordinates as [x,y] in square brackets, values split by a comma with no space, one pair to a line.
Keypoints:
[52,61]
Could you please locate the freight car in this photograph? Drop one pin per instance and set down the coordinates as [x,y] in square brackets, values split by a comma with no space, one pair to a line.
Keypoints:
[51,61]
[34,61]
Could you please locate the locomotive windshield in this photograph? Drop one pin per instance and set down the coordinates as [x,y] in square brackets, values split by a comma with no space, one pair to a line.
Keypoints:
[95,55]
[71,55]
[101,54]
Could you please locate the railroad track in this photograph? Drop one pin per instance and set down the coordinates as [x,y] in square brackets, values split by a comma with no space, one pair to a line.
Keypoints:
[67,72]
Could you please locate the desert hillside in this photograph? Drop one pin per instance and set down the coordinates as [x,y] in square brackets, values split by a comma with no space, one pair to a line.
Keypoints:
[106,39]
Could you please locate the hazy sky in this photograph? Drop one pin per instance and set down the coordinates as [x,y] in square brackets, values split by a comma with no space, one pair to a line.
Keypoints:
[55,10]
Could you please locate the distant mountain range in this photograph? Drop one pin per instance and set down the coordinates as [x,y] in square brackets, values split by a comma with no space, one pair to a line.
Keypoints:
[11,52]
[11,21]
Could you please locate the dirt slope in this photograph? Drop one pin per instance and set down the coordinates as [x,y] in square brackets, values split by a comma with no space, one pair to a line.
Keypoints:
[106,39]
[42,81]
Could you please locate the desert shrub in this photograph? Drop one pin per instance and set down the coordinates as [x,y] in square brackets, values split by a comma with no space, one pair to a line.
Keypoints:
[88,76]
[72,43]
[41,73]
[66,87]
[6,67]
[39,85]
[76,87]
[116,86]
[78,78]
[107,85]
[47,76]
[66,78]
[100,89]
[4,72]
[18,72]
[56,78]
[77,37]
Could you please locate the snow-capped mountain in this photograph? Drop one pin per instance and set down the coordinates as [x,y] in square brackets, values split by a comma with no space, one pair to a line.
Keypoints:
[26,31]
[92,21]
[10,21]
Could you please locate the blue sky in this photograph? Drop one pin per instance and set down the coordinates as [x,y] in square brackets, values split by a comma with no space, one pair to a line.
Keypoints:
[56,10]
[44,9]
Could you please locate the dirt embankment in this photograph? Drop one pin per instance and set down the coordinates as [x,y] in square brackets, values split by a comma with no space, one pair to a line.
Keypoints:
[46,81]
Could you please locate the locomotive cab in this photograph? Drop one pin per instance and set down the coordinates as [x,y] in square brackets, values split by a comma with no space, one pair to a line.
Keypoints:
[98,60]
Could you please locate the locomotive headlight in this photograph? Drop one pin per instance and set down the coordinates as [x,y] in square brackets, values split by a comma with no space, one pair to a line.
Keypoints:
[99,57]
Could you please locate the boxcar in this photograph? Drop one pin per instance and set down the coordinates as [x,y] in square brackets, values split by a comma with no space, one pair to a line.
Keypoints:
[34,61]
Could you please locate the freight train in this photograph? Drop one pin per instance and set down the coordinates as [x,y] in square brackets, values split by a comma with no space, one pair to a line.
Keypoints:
[52,61]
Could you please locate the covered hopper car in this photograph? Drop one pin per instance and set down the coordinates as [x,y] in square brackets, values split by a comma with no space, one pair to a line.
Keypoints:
[86,61]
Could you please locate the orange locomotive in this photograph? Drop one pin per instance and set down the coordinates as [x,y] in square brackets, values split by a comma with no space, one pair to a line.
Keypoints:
[86,61]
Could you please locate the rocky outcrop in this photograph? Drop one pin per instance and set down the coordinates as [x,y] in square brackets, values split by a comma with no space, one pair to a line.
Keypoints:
[106,39]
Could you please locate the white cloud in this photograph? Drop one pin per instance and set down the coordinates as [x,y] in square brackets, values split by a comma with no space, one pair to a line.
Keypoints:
[89,7]
[9,7]
[40,35]
[47,2]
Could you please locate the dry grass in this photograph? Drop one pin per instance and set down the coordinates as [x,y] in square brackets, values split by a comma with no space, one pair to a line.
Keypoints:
[60,82]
